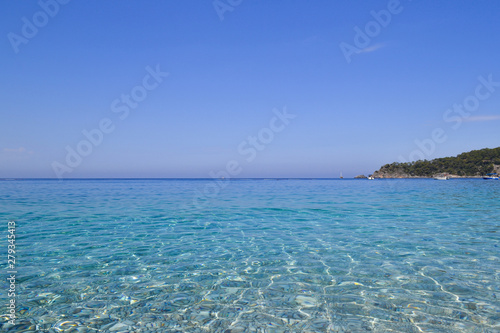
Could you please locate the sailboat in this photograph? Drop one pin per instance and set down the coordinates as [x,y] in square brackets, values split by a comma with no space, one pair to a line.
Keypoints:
[341,175]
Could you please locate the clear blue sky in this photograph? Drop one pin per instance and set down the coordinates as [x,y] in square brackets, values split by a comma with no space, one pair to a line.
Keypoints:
[226,76]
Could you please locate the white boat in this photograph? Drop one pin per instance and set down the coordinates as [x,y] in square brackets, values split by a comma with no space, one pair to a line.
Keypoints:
[371,177]
[491,176]
[442,177]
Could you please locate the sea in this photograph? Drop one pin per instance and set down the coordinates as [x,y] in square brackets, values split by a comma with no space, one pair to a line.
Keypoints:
[250,255]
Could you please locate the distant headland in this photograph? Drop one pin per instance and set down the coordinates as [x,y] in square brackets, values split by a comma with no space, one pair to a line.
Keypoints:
[473,164]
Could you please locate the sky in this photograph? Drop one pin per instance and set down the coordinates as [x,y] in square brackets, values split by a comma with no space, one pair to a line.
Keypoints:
[243,88]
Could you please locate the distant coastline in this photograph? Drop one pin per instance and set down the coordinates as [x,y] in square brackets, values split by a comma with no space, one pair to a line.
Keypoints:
[473,164]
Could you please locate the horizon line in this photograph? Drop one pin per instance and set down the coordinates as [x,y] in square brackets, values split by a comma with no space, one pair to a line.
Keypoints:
[166,178]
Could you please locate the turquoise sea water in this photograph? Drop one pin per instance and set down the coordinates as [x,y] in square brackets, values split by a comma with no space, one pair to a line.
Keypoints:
[260,256]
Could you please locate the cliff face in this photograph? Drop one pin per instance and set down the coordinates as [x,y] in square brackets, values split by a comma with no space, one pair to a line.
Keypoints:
[384,173]
[387,171]
[472,164]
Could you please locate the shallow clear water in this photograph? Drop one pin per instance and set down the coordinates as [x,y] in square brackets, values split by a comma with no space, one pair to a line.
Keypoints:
[260,256]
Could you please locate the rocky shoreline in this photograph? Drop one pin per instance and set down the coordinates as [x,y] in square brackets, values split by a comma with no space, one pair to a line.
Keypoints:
[389,176]
[380,174]
[377,175]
